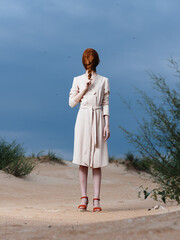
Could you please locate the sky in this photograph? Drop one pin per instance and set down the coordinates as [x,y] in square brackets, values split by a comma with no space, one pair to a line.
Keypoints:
[41,47]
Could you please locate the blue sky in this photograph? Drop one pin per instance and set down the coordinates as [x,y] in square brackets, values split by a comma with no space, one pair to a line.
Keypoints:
[41,46]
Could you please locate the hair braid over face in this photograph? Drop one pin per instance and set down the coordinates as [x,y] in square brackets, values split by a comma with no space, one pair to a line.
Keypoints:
[90,60]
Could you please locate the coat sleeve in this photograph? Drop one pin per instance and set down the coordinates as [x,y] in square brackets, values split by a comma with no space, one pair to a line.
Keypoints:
[105,102]
[73,92]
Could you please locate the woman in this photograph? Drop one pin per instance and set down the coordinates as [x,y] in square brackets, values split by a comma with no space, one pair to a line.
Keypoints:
[92,125]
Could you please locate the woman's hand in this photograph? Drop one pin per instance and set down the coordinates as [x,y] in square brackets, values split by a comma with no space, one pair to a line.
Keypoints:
[88,83]
[106,133]
[78,97]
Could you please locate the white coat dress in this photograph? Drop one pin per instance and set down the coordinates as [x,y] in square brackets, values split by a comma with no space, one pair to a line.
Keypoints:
[90,149]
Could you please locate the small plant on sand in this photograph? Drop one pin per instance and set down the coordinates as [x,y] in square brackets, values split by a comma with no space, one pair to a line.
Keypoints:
[54,158]
[115,160]
[111,159]
[158,138]
[49,157]
[12,159]
[20,167]
[138,163]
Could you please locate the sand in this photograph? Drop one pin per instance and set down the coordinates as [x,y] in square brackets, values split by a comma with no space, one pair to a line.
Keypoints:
[44,206]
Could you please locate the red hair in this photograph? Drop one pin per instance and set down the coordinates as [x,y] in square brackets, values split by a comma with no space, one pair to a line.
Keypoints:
[90,60]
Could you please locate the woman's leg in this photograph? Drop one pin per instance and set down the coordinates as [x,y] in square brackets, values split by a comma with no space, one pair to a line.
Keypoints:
[97,184]
[83,174]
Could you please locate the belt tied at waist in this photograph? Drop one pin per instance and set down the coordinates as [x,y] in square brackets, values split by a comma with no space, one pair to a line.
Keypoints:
[93,120]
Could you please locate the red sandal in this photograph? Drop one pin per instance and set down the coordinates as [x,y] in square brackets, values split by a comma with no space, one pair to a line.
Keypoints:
[83,207]
[96,209]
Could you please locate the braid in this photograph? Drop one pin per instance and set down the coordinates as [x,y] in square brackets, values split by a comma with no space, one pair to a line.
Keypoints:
[89,68]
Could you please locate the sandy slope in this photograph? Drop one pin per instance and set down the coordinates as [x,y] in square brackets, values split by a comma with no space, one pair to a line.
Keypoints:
[49,196]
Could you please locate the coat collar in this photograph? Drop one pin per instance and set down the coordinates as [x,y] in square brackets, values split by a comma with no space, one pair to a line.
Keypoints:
[94,80]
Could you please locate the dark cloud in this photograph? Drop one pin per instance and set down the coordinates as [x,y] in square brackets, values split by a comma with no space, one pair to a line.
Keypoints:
[41,47]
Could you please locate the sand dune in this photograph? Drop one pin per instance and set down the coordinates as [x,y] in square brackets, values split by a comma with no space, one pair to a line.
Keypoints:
[46,202]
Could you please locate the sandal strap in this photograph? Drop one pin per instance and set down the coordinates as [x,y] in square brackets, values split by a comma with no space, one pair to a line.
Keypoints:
[82,206]
[96,199]
[95,208]
[84,197]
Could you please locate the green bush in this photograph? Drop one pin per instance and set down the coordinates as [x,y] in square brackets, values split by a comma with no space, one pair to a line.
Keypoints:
[20,167]
[9,152]
[12,159]
[158,137]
